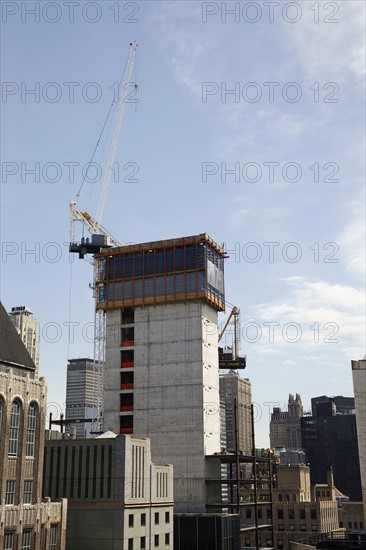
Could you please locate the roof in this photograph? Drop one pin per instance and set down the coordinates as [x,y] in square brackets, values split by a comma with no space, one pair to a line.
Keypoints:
[12,350]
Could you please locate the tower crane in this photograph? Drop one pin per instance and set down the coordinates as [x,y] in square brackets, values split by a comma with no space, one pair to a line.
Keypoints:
[100,236]
[228,358]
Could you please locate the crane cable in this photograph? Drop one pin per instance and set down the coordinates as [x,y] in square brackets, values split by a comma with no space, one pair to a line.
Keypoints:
[95,148]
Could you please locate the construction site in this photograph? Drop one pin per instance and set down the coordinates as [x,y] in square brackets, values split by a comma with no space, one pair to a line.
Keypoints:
[157,337]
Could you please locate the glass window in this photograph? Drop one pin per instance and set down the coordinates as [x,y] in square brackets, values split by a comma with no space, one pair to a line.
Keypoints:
[167,538]
[314,527]
[156,518]
[292,527]
[167,517]
[280,526]
[28,491]
[31,430]
[26,539]
[313,514]
[280,514]
[130,544]
[156,541]
[8,540]
[130,520]
[53,537]
[14,428]
[10,491]
[143,519]
[143,543]
[291,513]
[302,513]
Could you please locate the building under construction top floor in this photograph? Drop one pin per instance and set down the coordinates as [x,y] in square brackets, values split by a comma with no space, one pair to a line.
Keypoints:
[174,270]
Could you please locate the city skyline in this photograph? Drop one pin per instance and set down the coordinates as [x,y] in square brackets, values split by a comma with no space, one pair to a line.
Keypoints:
[295,236]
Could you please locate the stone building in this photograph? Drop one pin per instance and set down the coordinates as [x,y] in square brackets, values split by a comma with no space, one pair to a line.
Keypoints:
[298,511]
[27,521]
[285,429]
[27,327]
[117,498]
[233,386]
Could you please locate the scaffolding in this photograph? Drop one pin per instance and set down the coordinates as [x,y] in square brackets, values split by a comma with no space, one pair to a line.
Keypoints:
[245,490]
[175,270]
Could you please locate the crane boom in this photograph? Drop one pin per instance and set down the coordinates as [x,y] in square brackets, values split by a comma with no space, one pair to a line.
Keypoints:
[93,225]
[125,84]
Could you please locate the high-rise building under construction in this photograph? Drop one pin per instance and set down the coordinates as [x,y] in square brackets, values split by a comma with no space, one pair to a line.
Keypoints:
[161,301]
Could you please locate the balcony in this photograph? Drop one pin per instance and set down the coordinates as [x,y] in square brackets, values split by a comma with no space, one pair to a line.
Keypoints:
[127,386]
[127,343]
[126,431]
[127,364]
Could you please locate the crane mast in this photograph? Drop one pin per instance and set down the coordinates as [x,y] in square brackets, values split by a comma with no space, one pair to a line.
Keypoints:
[101,238]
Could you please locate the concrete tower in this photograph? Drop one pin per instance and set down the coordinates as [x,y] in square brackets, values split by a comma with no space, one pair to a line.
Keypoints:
[359,385]
[161,377]
[27,328]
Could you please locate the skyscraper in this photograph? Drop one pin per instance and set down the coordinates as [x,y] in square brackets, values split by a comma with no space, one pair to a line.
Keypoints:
[161,376]
[285,430]
[27,328]
[359,385]
[330,441]
[232,386]
[84,382]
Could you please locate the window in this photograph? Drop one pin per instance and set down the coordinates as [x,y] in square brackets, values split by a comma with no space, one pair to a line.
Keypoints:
[302,513]
[302,527]
[280,514]
[53,537]
[314,527]
[313,514]
[350,524]
[167,517]
[280,526]
[248,513]
[156,541]
[280,498]
[143,519]
[291,513]
[26,539]
[143,543]
[361,524]
[31,429]
[14,428]
[341,524]
[156,518]
[167,538]
[10,491]
[130,520]
[292,527]
[259,513]
[269,513]
[28,491]
[280,544]
[355,524]
[130,544]
[8,540]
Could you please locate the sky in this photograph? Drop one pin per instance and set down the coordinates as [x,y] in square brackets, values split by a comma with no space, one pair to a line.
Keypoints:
[249,126]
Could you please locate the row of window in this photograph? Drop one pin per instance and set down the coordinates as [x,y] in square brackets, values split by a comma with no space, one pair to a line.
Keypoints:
[27,537]
[292,527]
[356,525]
[11,489]
[131,519]
[157,542]
[14,427]
[281,513]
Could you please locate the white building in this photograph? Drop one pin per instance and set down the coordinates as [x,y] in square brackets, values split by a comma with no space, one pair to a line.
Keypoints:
[117,498]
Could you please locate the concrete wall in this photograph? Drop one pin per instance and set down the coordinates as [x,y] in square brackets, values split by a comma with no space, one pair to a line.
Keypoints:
[177,393]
